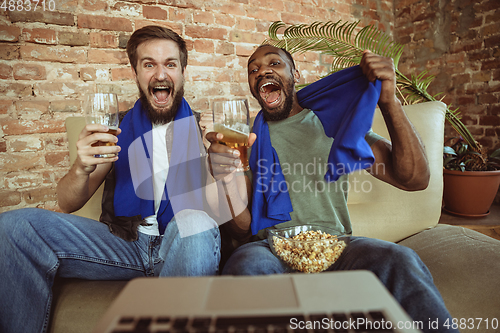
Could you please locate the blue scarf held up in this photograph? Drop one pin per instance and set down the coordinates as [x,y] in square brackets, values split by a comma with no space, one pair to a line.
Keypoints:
[134,193]
[345,103]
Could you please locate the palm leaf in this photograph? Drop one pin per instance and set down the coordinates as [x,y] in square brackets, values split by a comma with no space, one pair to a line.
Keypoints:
[340,40]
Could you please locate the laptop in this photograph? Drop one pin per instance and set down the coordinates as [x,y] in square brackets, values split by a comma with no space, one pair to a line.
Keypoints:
[350,301]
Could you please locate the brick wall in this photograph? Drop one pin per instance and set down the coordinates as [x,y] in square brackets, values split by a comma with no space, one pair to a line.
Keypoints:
[458,41]
[50,58]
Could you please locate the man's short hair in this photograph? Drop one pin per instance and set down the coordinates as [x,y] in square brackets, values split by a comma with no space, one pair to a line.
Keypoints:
[288,55]
[152,32]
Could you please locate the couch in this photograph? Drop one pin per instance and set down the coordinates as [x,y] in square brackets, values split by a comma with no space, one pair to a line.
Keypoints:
[464,263]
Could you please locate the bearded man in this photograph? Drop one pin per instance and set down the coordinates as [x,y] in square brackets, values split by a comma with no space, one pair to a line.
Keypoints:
[310,127]
[140,235]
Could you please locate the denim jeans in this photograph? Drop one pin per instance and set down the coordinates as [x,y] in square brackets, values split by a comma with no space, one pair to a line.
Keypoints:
[399,268]
[37,244]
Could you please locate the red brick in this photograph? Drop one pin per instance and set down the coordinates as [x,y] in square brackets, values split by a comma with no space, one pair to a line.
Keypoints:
[177,14]
[94,5]
[195,31]
[103,40]
[489,120]
[32,106]
[60,88]
[226,20]
[487,99]
[244,51]
[98,56]
[40,36]
[486,6]
[204,46]
[13,162]
[3,146]
[464,100]
[73,38]
[203,17]
[52,177]
[490,64]
[5,106]
[22,181]
[64,72]
[48,17]
[56,141]
[119,74]
[66,5]
[5,72]
[127,9]
[481,77]
[492,41]
[177,27]
[40,194]
[246,24]
[29,72]
[246,37]
[9,33]
[53,54]
[88,74]
[20,126]
[491,29]
[9,198]
[24,143]
[65,106]
[228,8]
[226,48]
[154,13]
[495,17]
[461,79]
[104,23]
[9,52]
[16,89]
[191,4]
[57,159]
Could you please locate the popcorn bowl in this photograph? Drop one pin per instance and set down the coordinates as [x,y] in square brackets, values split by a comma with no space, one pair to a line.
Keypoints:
[307,248]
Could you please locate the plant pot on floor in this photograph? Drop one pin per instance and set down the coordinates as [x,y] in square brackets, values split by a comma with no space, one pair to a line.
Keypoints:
[470,193]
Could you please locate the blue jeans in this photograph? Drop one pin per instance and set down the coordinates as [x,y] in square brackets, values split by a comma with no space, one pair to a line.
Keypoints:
[37,244]
[399,268]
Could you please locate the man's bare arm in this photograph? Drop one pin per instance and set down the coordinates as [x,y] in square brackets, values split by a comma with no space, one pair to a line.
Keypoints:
[88,172]
[401,162]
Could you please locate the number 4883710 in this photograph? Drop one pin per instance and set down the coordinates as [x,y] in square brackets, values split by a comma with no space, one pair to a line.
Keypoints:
[472,323]
[27,5]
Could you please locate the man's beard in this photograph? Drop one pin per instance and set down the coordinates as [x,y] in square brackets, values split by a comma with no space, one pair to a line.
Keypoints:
[161,117]
[278,113]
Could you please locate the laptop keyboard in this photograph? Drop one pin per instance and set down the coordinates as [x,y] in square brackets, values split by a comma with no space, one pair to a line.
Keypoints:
[358,322]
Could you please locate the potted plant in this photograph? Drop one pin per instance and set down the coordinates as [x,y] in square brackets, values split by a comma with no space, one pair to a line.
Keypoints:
[471,179]
[345,43]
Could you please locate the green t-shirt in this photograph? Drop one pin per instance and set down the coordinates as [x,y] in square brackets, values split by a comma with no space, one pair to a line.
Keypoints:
[303,148]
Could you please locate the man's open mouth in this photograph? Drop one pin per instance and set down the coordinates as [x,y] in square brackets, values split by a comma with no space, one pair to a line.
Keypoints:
[161,93]
[270,92]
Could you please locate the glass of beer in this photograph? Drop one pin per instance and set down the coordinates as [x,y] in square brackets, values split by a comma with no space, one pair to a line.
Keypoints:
[231,118]
[102,108]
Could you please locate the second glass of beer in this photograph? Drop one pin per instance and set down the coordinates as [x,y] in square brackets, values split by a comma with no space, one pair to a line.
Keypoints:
[231,118]
[102,108]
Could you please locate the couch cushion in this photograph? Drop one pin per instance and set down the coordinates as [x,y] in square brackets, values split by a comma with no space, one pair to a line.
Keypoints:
[464,264]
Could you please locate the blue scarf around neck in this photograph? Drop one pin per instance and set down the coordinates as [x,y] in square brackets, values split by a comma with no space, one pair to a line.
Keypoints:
[134,194]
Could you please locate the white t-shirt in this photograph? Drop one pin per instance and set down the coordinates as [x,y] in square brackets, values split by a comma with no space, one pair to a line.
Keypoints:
[160,172]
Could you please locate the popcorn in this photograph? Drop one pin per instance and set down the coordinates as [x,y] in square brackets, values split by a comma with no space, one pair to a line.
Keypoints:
[317,254]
